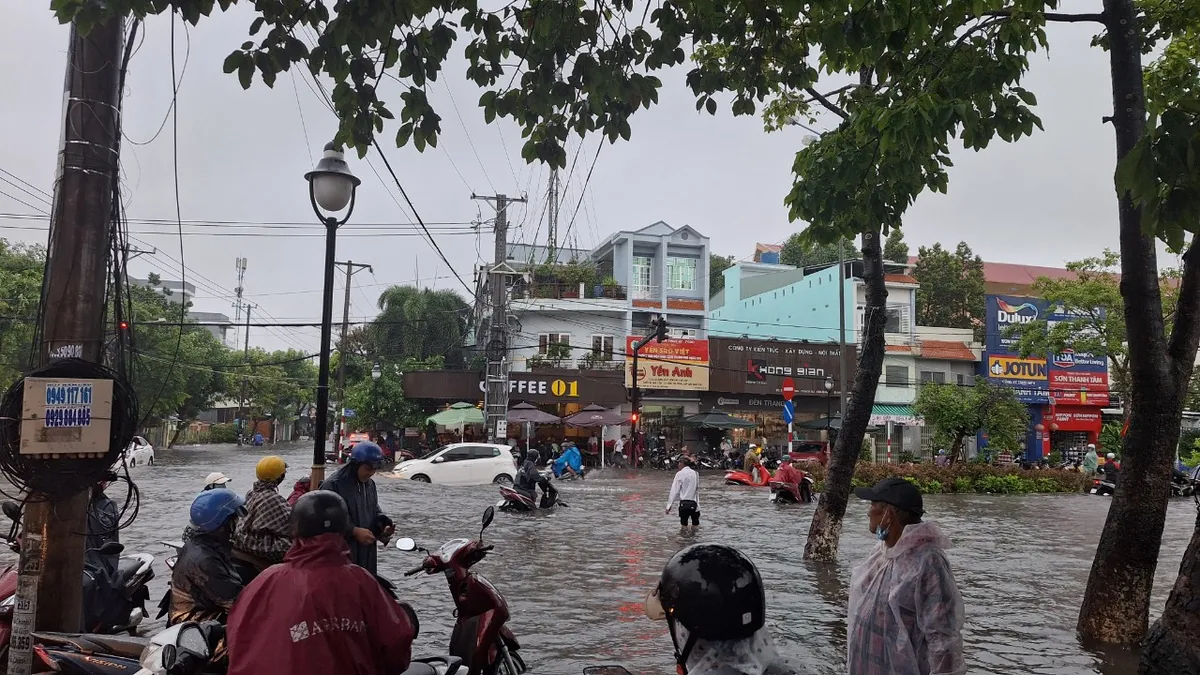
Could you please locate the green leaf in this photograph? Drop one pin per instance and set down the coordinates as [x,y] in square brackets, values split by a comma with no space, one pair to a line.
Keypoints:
[404,134]
[232,62]
[711,106]
[246,73]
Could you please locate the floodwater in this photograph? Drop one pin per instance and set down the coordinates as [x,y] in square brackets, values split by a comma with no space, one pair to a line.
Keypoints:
[575,578]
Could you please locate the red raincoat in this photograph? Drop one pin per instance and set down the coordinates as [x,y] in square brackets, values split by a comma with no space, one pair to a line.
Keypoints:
[299,490]
[787,473]
[318,613]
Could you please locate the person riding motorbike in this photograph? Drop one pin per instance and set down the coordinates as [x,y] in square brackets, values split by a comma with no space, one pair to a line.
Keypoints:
[264,536]
[353,481]
[317,612]
[1110,470]
[792,477]
[102,520]
[570,462]
[752,463]
[529,479]
[301,488]
[712,599]
[102,598]
[204,583]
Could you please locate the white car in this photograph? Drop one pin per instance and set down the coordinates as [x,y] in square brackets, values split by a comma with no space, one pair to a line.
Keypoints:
[139,452]
[462,464]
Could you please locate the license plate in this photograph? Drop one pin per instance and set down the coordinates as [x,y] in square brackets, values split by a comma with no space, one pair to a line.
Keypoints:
[1093,490]
[774,496]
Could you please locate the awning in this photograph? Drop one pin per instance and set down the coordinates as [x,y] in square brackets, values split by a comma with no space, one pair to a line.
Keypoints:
[882,413]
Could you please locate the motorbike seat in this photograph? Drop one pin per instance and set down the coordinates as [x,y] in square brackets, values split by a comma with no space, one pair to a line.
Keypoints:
[91,643]
[126,568]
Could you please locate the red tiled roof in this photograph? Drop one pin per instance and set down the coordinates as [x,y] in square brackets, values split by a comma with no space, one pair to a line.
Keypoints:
[899,349]
[899,279]
[1017,275]
[946,349]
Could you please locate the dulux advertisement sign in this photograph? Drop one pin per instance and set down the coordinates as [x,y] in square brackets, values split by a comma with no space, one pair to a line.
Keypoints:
[1005,311]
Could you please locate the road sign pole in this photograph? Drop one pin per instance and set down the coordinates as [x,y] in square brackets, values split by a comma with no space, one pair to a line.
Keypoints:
[789,438]
[788,389]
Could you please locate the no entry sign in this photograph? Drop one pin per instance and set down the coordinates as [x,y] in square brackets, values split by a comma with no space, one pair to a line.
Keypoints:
[788,388]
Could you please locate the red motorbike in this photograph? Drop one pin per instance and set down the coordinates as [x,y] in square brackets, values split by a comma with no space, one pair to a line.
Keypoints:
[480,638]
[743,478]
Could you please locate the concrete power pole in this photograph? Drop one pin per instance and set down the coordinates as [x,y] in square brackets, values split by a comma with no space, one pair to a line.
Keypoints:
[49,592]
[495,399]
[552,218]
[241,272]
[843,359]
[351,268]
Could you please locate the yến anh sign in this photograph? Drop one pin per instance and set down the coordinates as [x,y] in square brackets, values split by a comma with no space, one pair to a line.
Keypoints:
[66,416]
[673,364]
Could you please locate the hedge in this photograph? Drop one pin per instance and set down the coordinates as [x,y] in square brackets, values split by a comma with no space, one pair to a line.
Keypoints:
[964,478]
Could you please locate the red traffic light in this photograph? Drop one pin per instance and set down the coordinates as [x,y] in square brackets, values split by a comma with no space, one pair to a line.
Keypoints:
[633,418]
[124,325]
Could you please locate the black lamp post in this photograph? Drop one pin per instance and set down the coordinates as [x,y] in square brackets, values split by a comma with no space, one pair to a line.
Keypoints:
[376,373]
[828,404]
[331,188]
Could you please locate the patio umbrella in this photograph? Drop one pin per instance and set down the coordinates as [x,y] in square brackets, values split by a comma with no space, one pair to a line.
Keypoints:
[715,419]
[524,413]
[597,416]
[457,416]
[834,423]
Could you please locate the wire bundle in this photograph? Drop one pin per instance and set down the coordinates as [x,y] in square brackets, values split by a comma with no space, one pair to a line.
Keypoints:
[56,479]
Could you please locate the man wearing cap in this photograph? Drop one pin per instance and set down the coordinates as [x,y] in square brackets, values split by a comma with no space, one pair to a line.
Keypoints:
[905,614]
[215,480]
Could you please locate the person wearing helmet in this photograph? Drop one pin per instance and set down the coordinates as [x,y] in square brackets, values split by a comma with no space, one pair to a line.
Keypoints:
[529,479]
[571,462]
[102,525]
[204,583]
[264,536]
[712,599]
[300,489]
[752,463]
[905,614]
[1110,468]
[354,482]
[1090,461]
[317,612]
[214,481]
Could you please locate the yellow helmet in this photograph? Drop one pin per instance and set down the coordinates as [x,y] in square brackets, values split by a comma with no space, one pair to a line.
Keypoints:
[270,468]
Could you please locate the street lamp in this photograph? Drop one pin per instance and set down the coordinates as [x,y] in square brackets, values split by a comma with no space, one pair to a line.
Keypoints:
[376,373]
[331,189]
[828,403]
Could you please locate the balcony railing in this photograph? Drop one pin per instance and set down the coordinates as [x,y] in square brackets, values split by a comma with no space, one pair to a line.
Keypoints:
[561,291]
[541,362]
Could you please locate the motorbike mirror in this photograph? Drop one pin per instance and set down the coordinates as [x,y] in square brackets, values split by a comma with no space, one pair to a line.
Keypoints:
[489,514]
[406,544]
[605,670]
[12,510]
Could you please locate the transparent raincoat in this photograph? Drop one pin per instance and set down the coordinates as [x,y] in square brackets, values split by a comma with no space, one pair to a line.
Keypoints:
[755,655]
[905,614]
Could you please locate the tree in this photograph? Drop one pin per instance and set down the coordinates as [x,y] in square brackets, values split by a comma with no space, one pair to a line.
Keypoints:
[20,292]
[802,251]
[926,76]
[952,289]
[381,404]
[717,264]
[420,324]
[958,412]
[895,249]
[201,356]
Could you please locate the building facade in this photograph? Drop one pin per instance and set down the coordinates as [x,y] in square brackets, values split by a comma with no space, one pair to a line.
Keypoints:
[176,292]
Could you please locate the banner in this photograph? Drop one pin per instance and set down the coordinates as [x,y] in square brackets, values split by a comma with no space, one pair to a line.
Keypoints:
[673,364]
[1005,311]
[760,366]
[1026,377]
[1082,388]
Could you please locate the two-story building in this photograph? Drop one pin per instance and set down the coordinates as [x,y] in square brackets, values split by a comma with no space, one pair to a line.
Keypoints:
[768,301]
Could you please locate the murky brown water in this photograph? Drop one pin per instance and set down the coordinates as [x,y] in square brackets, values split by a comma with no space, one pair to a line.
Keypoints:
[575,578]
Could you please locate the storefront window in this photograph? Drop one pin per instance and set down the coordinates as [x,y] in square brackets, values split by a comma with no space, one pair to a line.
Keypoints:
[664,423]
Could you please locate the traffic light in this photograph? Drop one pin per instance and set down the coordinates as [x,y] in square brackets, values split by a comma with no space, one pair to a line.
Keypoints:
[633,418]
[660,329]
[123,325]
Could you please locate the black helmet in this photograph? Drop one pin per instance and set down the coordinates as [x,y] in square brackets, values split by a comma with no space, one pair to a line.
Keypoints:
[320,512]
[712,590]
[532,455]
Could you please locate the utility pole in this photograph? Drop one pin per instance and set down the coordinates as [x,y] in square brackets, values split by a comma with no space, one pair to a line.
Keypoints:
[495,393]
[245,377]
[351,268]
[552,218]
[657,331]
[240,263]
[49,591]
[842,365]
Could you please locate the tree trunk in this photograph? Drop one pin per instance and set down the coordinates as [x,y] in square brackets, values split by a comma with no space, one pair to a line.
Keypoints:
[1171,647]
[826,528]
[183,424]
[1116,603]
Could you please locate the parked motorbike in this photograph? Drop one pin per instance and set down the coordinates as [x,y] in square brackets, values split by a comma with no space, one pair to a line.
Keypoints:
[1182,485]
[1103,487]
[182,649]
[480,637]
[743,478]
[512,500]
[788,493]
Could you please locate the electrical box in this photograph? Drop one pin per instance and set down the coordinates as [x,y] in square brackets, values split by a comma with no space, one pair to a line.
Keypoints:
[69,417]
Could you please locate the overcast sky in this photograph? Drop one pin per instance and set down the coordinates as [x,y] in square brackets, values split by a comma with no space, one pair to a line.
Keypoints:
[241,154]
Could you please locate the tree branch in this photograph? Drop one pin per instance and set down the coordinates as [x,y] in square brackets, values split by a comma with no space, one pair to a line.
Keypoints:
[827,103]
[1186,334]
[1056,16]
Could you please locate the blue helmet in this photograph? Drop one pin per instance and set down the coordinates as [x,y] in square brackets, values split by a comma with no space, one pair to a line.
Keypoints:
[366,452]
[211,508]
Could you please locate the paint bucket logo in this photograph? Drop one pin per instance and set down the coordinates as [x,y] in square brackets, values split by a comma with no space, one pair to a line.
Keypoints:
[1015,314]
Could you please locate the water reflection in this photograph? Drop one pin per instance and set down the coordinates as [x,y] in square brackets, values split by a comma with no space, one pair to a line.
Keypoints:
[575,578]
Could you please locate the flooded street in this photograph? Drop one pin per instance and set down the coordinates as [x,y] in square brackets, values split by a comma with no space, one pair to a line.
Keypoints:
[575,578]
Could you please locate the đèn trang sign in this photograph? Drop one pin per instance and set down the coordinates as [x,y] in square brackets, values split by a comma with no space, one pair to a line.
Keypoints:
[66,416]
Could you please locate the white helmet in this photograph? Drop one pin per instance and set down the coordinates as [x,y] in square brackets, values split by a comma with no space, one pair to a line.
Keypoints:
[1110,456]
[1091,446]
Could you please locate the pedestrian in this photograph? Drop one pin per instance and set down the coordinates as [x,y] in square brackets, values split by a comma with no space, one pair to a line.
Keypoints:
[905,614]
[301,488]
[686,489]
[264,535]
[215,480]
[102,525]
[619,447]
[354,483]
[318,612]
[1090,461]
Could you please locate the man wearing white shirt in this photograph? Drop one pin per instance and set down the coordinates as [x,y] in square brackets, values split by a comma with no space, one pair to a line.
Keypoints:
[686,489]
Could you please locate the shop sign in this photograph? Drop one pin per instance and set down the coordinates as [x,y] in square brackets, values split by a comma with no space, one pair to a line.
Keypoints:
[1027,378]
[1005,311]
[1083,388]
[764,366]
[902,420]
[672,364]
[562,386]
[1077,419]
[1069,359]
